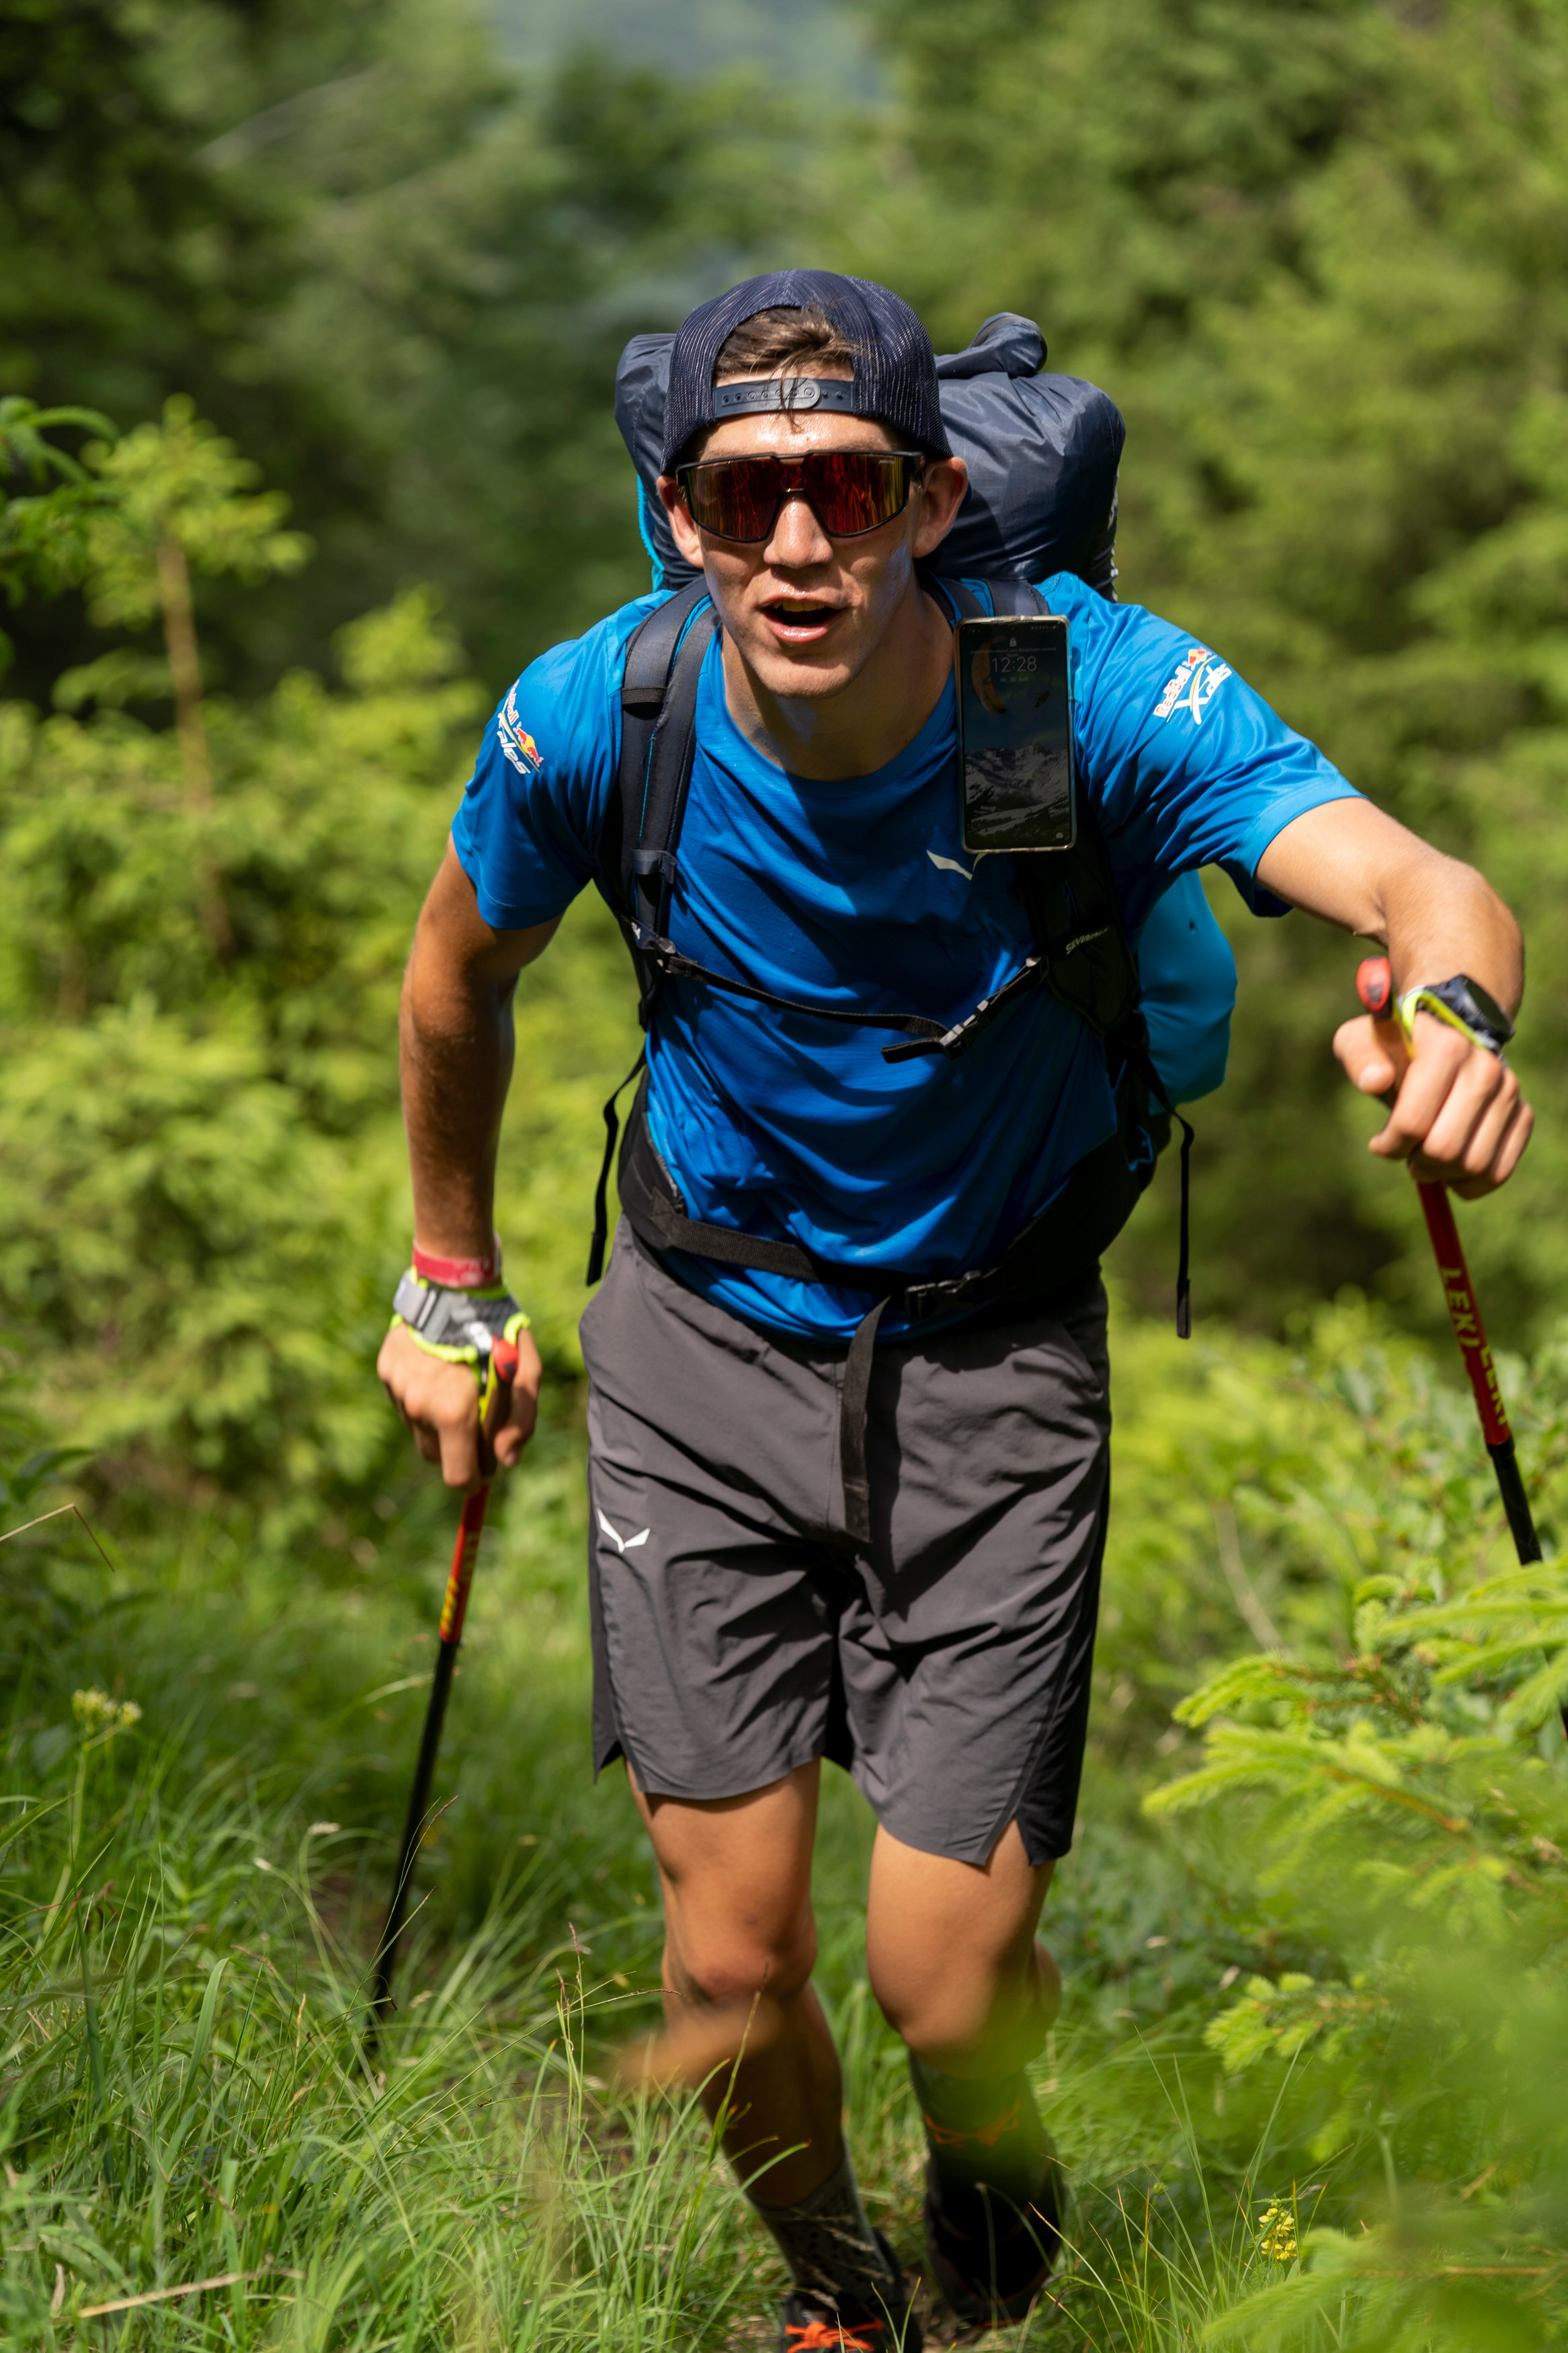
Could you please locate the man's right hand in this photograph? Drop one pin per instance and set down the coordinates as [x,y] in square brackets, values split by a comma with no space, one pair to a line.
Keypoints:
[440,1403]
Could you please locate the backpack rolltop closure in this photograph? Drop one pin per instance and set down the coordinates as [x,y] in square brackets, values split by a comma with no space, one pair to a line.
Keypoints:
[1080,953]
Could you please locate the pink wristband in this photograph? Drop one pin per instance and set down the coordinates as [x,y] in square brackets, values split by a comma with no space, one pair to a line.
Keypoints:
[459,1274]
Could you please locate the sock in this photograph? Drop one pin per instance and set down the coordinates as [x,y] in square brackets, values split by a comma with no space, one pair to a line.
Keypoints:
[982,2128]
[829,2245]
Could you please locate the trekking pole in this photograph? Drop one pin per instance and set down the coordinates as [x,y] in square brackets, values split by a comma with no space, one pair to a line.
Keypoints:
[1375,986]
[495,1403]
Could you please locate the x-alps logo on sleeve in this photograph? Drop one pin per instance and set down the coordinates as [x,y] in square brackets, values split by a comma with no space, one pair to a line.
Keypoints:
[1196,682]
[515,740]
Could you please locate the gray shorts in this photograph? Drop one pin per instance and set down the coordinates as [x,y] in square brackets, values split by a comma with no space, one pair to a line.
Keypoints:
[736,1632]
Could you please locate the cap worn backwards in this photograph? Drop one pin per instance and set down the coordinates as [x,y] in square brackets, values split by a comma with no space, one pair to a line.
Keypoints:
[895,368]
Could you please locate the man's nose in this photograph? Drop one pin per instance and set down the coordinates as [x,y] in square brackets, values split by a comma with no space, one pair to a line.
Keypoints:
[797,539]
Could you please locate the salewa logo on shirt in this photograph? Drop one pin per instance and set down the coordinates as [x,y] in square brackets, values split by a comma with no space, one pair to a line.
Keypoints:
[624,1544]
[1194,685]
[515,740]
[948,865]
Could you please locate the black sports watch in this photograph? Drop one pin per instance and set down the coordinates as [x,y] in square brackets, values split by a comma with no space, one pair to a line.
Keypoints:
[1465,1005]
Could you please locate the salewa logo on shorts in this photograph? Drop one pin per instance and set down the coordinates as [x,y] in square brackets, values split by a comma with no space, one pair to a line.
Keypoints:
[625,1544]
[1194,685]
[515,740]
[948,865]
[1083,939]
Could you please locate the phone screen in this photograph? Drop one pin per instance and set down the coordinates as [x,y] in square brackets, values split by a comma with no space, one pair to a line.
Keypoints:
[1014,733]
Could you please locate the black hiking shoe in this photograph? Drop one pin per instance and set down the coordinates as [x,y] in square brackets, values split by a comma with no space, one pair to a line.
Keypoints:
[813,2325]
[989,2256]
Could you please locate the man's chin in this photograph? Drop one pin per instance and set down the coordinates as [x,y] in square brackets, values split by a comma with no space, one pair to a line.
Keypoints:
[808,676]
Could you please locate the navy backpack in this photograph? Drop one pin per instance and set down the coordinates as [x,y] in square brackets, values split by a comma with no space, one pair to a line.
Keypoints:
[1042,453]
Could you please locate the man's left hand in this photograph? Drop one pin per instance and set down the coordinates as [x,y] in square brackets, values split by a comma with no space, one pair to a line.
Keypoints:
[1460,1118]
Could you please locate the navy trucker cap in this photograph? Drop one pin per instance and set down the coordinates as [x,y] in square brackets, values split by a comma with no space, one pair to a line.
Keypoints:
[895,367]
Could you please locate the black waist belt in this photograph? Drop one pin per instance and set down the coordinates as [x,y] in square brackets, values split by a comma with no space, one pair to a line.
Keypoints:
[1048,1259]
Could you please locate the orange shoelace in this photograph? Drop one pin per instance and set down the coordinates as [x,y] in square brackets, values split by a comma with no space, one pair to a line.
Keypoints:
[833,2337]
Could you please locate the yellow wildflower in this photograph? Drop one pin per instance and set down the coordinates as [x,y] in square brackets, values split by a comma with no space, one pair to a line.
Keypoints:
[1276,2234]
[96,1712]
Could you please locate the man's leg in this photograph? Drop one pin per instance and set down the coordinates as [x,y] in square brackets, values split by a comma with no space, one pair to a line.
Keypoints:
[744,2022]
[953,1958]
[953,1962]
[739,1946]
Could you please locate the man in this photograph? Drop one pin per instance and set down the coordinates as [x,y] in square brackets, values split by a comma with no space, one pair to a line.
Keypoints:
[740,1631]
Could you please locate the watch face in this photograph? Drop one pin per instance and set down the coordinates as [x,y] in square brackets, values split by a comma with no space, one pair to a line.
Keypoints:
[1466,1005]
[1493,1016]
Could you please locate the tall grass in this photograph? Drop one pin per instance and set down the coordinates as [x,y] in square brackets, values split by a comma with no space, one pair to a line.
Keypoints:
[194,2135]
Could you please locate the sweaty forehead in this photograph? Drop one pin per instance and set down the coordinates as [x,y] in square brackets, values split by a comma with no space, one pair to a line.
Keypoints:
[790,432]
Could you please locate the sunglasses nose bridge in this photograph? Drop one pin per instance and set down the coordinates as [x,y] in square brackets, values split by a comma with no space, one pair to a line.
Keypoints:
[796,490]
[790,479]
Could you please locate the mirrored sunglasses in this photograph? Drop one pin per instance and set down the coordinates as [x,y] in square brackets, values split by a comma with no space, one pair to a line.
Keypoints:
[849,491]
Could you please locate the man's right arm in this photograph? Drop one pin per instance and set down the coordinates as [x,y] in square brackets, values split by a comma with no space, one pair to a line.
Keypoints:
[456,1044]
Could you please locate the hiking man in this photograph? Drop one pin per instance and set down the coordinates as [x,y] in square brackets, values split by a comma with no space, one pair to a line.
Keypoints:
[838,1508]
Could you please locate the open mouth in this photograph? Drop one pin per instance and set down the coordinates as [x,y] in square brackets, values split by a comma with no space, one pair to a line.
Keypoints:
[798,619]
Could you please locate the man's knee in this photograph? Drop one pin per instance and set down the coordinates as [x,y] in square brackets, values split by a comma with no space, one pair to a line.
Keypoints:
[730,1963]
[938,2023]
[976,2008]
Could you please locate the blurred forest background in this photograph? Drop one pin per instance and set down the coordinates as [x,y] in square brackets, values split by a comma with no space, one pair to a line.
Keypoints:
[319,308]
[390,249]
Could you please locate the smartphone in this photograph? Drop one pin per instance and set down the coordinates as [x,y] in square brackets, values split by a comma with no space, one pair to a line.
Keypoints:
[1014,733]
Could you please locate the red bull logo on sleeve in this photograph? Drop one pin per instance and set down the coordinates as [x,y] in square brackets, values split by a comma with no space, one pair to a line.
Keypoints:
[1196,682]
[515,740]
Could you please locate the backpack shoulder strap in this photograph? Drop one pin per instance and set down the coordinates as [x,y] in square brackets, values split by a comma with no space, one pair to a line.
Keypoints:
[649,657]
[1091,965]
[648,853]
[658,647]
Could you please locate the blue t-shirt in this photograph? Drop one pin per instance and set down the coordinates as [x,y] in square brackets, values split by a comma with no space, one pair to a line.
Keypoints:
[859,894]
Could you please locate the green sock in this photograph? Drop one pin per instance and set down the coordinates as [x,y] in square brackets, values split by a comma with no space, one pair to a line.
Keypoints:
[982,2128]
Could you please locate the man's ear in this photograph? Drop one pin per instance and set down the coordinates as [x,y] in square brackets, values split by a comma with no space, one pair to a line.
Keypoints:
[944,486]
[686,536]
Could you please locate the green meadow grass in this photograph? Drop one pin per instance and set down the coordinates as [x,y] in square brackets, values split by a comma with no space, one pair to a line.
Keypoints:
[190,1900]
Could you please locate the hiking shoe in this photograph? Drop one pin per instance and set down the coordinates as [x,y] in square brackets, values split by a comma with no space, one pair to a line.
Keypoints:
[989,2256]
[812,2325]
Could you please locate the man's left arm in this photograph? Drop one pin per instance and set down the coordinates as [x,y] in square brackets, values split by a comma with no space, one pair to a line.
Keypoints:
[1459,1117]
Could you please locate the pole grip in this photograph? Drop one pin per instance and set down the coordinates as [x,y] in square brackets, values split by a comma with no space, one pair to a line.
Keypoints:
[495,1403]
[1375,986]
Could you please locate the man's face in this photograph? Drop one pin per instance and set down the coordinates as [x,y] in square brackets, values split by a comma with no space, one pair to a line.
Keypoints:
[807,612]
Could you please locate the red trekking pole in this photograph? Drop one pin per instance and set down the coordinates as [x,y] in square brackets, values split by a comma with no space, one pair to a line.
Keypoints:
[494,1406]
[1374,986]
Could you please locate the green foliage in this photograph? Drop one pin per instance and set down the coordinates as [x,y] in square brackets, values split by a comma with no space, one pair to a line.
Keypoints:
[1290,2012]
[396,273]
[199,1134]
[203,1165]
[179,482]
[45,532]
[192,1891]
[1400,1802]
[171,500]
